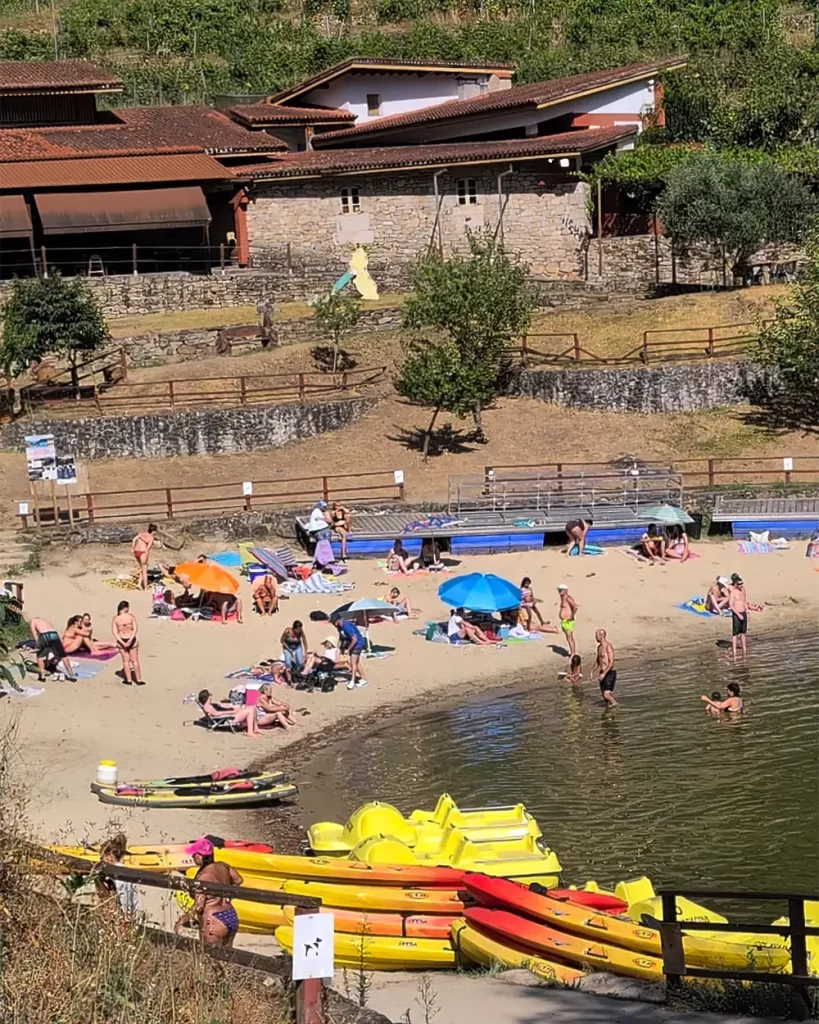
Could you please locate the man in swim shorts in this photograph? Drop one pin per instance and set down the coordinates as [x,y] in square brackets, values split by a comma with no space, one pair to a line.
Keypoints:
[604,669]
[50,651]
[567,613]
[738,603]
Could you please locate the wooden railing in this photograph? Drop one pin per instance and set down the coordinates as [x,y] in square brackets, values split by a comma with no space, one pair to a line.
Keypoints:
[84,383]
[689,344]
[227,392]
[65,508]
[697,474]
[672,931]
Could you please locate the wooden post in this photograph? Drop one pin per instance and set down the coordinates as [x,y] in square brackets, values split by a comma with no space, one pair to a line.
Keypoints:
[169,502]
[222,255]
[711,342]
[788,476]
[36,506]
[671,942]
[43,261]
[656,250]
[599,227]
[560,476]
[54,503]
[710,472]
[134,261]
[325,488]
[301,383]
[524,351]
[401,491]
[645,347]
[308,994]
[123,364]
[89,508]
[243,391]
[70,505]
[800,1004]
[578,355]
[344,381]
[171,393]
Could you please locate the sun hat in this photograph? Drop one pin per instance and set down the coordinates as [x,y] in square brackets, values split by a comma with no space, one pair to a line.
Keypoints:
[330,640]
[723,580]
[562,586]
[202,846]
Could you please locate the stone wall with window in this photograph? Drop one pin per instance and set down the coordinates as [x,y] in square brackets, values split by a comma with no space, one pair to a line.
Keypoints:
[319,223]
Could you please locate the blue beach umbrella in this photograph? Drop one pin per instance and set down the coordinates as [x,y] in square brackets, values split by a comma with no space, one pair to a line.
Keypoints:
[480,592]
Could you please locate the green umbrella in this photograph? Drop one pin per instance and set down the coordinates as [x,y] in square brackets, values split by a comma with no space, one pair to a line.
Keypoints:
[665,515]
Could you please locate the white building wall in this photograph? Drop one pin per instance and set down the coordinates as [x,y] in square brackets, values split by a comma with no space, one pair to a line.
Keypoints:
[400,93]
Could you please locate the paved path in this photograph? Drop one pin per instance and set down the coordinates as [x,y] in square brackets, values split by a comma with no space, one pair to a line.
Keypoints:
[493,1000]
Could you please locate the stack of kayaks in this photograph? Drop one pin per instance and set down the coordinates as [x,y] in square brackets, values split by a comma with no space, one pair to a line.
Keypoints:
[161,858]
[238,789]
[512,920]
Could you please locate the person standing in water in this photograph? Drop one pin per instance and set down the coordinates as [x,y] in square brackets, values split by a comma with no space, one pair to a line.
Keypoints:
[732,703]
[141,546]
[738,603]
[124,627]
[216,915]
[567,613]
[604,670]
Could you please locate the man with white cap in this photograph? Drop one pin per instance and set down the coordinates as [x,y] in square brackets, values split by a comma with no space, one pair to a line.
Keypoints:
[318,525]
[567,613]
[716,600]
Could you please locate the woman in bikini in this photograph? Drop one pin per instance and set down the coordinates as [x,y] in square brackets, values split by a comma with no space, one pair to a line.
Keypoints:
[732,703]
[401,604]
[216,915]
[77,636]
[270,711]
[141,547]
[528,603]
[238,715]
[678,546]
[341,524]
[399,559]
[124,628]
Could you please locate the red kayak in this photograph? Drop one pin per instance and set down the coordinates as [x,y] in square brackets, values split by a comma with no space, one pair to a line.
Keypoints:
[595,900]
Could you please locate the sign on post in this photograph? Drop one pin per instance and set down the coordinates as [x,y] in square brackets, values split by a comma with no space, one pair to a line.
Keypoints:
[787,465]
[398,475]
[247,488]
[313,946]
[41,457]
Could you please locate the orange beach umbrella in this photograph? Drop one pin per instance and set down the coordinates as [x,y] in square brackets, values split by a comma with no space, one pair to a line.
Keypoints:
[209,576]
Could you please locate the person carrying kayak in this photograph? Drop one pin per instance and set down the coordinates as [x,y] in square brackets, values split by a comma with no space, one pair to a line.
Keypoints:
[217,917]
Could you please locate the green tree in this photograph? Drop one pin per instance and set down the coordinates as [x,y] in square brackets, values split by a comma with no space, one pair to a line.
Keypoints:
[336,315]
[733,206]
[50,315]
[479,303]
[790,346]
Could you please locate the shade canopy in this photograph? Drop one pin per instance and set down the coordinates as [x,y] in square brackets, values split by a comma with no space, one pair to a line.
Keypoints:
[64,213]
[480,592]
[665,515]
[208,576]
[363,608]
[15,220]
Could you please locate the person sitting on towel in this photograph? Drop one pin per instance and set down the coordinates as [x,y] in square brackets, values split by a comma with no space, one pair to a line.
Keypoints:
[459,629]
[265,596]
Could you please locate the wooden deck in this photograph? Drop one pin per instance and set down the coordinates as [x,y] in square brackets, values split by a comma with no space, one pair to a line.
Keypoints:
[729,509]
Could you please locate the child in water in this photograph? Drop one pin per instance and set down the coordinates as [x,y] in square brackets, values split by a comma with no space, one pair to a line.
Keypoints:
[716,696]
[732,703]
[575,673]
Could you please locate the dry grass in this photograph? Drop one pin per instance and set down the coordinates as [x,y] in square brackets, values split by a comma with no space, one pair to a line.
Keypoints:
[66,963]
[191,319]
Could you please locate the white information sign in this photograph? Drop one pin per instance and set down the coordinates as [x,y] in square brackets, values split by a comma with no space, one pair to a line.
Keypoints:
[247,488]
[398,476]
[22,508]
[312,946]
[787,465]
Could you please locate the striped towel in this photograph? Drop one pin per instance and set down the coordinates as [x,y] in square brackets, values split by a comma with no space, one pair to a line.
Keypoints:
[315,584]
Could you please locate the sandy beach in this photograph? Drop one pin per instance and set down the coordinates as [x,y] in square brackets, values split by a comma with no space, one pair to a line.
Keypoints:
[63,733]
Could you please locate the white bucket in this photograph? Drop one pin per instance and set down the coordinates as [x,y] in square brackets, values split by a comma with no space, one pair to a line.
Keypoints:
[107,773]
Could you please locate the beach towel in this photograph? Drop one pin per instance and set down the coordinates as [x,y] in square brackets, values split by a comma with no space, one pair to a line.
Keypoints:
[22,691]
[227,559]
[106,655]
[432,522]
[316,584]
[752,547]
[696,605]
[249,673]
[270,560]
[591,549]
[86,671]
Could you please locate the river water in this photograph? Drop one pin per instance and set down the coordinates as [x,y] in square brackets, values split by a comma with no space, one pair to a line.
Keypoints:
[655,786]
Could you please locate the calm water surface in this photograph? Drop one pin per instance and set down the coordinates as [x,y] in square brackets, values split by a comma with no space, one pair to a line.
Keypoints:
[656,786]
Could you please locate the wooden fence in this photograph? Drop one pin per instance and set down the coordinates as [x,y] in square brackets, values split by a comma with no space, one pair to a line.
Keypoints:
[80,383]
[224,392]
[169,503]
[689,344]
[697,474]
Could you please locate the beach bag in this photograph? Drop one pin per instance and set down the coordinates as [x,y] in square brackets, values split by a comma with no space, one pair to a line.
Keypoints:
[432,629]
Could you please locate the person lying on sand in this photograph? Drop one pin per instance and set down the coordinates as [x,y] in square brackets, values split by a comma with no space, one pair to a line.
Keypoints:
[459,629]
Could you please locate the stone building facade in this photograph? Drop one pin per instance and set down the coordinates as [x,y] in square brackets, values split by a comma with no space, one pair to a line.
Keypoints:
[317,223]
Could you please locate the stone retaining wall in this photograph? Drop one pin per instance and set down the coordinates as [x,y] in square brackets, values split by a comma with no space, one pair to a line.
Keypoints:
[687,388]
[200,432]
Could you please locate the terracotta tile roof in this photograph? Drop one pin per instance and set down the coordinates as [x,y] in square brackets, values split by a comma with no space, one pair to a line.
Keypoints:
[142,130]
[386,158]
[55,76]
[539,94]
[112,171]
[384,64]
[275,113]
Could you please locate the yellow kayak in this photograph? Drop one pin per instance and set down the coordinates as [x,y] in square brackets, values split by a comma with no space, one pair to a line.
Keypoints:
[488,952]
[644,906]
[378,898]
[811,941]
[423,831]
[382,953]
[153,857]
[526,859]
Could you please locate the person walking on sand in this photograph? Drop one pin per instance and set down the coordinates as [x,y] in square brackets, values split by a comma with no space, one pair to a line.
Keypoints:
[577,530]
[567,614]
[124,628]
[142,546]
[604,670]
[738,603]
